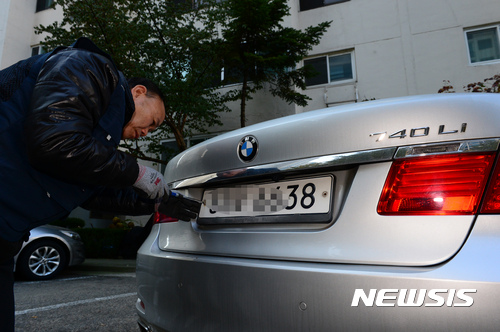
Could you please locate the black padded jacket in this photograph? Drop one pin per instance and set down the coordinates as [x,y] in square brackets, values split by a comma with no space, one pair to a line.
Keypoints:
[72,93]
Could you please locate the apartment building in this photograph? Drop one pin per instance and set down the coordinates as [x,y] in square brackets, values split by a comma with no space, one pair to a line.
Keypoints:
[390,48]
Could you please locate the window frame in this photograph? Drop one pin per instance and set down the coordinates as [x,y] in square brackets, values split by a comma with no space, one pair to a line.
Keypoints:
[42,5]
[487,62]
[328,56]
[324,3]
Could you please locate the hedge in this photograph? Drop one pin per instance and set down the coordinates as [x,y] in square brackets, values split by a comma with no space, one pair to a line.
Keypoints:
[69,223]
[101,242]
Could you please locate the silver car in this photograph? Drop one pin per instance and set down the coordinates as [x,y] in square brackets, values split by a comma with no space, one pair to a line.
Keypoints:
[48,251]
[381,215]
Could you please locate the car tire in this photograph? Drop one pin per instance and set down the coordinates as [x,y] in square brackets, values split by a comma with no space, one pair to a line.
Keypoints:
[41,260]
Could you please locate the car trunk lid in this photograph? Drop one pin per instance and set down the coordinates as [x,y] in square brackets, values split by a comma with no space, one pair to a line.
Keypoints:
[345,154]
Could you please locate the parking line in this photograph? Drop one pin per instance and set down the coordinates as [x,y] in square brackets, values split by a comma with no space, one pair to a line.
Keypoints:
[51,280]
[69,304]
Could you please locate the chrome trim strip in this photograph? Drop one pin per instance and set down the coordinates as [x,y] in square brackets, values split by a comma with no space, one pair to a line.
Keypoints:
[484,145]
[343,159]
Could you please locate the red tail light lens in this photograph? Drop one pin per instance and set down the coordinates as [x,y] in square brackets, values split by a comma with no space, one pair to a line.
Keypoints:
[491,202]
[436,185]
[161,218]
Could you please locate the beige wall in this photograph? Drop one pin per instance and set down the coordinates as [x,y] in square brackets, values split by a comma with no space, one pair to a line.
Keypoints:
[16,30]
[17,22]
[45,17]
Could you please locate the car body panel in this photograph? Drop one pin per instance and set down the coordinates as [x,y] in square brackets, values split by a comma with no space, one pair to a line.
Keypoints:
[208,293]
[357,235]
[261,274]
[344,129]
[340,139]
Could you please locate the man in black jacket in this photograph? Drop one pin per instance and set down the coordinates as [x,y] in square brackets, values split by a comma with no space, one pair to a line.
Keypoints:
[62,116]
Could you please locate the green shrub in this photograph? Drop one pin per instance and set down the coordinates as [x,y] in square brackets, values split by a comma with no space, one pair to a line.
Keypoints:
[101,242]
[69,223]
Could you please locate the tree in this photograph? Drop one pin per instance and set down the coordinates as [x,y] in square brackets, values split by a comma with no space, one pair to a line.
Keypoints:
[489,85]
[168,42]
[256,49]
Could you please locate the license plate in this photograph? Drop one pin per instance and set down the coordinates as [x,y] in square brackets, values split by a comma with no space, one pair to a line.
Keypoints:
[281,202]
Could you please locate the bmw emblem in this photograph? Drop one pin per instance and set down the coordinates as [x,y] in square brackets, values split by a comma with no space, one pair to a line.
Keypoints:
[247,148]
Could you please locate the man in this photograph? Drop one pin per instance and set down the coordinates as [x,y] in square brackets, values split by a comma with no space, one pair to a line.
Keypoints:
[62,116]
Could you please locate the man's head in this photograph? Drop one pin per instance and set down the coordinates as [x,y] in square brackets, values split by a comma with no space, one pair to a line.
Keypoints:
[149,109]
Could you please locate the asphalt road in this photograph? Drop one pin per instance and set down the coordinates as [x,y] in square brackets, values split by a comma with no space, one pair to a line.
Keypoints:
[78,301]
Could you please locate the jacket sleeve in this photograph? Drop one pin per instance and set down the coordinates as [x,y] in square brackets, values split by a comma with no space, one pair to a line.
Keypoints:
[120,201]
[72,92]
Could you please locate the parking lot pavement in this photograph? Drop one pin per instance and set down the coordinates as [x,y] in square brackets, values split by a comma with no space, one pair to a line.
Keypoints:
[99,295]
[103,266]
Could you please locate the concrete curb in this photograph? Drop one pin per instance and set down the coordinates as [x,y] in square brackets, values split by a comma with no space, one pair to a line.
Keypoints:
[105,265]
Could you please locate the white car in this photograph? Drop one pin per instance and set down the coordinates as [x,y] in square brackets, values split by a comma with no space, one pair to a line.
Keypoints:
[381,215]
[48,251]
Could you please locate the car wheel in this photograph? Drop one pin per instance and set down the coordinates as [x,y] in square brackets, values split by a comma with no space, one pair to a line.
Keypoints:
[41,260]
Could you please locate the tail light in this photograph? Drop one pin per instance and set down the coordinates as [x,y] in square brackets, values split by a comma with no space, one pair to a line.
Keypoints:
[437,185]
[491,203]
[160,218]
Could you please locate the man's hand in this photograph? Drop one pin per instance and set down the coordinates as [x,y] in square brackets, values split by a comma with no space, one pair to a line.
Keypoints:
[150,183]
[179,207]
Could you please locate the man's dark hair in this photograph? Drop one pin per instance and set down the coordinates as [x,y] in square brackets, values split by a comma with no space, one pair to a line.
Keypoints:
[152,88]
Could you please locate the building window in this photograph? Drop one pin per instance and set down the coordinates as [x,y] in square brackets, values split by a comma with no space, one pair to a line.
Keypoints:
[311,4]
[231,75]
[43,4]
[35,50]
[331,68]
[483,44]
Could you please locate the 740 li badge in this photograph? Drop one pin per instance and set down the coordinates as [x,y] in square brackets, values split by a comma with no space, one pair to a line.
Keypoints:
[417,132]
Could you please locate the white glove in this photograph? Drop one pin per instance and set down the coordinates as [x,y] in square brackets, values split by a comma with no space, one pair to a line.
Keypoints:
[150,183]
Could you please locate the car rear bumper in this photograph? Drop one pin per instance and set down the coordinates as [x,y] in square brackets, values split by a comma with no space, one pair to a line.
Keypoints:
[185,292]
